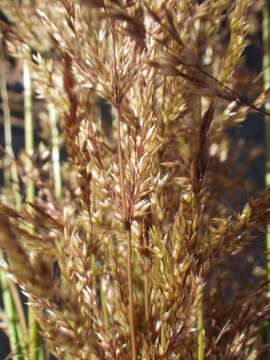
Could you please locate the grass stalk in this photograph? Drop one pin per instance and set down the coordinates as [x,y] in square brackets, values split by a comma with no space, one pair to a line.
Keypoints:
[21,325]
[195,210]
[200,333]
[30,190]
[162,330]
[131,301]
[57,178]
[103,304]
[55,154]
[125,216]
[11,316]
[7,127]
[93,266]
[146,290]
[12,304]
[129,249]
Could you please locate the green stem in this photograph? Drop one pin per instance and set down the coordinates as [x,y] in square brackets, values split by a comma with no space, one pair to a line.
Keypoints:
[21,326]
[11,315]
[93,267]
[162,335]
[30,190]
[200,333]
[9,290]
[146,290]
[7,126]
[103,305]
[195,210]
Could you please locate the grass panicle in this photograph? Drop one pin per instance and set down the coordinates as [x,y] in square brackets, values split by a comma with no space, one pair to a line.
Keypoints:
[124,234]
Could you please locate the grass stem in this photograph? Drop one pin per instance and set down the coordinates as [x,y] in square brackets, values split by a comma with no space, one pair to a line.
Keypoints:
[30,190]
[11,299]
[129,250]
[200,333]
[55,154]
[146,290]
[7,126]
[11,316]
[131,301]
[103,304]
[195,210]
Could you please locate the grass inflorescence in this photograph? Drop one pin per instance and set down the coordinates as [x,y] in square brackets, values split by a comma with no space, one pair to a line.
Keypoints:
[119,245]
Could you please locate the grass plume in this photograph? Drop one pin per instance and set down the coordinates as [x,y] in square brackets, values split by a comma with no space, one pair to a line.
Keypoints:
[129,231]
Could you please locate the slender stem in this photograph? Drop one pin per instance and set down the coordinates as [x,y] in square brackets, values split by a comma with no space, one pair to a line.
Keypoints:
[119,143]
[93,260]
[19,309]
[11,315]
[57,178]
[121,168]
[15,184]
[7,298]
[200,333]
[131,302]
[41,353]
[7,126]
[146,290]
[200,329]
[146,275]
[103,304]
[146,284]
[55,154]
[128,230]
[125,215]
[30,190]
[93,267]
[195,210]
[162,335]
[10,294]
[11,179]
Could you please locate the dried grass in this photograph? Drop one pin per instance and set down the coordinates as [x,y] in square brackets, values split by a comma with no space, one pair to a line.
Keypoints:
[142,223]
